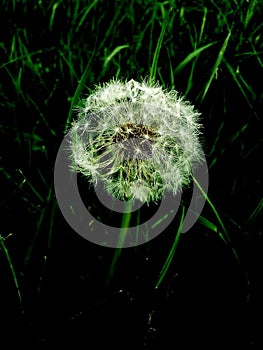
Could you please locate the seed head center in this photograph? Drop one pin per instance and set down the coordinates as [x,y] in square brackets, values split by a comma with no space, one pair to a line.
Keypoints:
[130,130]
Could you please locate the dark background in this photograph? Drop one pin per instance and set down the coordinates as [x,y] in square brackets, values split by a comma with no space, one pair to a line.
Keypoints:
[52,52]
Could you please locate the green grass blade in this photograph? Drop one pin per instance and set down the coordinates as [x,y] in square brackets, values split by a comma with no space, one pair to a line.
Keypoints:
[235,77]
[224,235]
[203,25]
[153,68]
[256,212]
[191,56]
[213,208]
[26,56]
[2,241]
[250,12]
[171,253]
[54,8]
[238,133]
[216,65]
[30,185]
[247,86]
[114,52]
[217,138]
[85,14]
[78,92]
[207,223]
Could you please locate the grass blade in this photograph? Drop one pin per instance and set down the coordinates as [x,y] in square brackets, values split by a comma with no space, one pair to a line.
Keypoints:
[191,56]
[114,52]
[171,253]
[216,65]
[86,14]
[235,77]
[256,212]
[224,236]
[250,12]
[2,241]
[153,68]
[78,92]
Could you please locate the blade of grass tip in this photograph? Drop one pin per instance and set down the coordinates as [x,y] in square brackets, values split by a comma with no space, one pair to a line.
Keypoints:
[217,138]
[37,194]
[2,241]
[171,253]
[191,56]
[216,65]
[213,208]
[250,12]
[54,8]
[153,68]
[258,144]
[203,25]
[110,56]
[212,163]
[208,224]
[238,133]
[123,233]
[247,86]
[256,212]
[224,235]
[85,14]
[235,77]
[13,52]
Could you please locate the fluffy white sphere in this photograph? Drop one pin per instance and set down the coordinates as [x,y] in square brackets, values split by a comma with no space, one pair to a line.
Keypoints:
[137,138]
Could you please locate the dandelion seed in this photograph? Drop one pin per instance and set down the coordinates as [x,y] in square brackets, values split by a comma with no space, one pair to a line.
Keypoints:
[137,138]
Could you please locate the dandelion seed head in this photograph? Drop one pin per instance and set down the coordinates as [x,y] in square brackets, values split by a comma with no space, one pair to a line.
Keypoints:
[137,138]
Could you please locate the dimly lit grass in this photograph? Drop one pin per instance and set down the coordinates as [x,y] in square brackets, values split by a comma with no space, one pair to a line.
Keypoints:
[53,52]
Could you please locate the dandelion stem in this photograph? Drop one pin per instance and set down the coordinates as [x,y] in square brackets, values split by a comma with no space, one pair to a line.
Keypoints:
[125,224]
